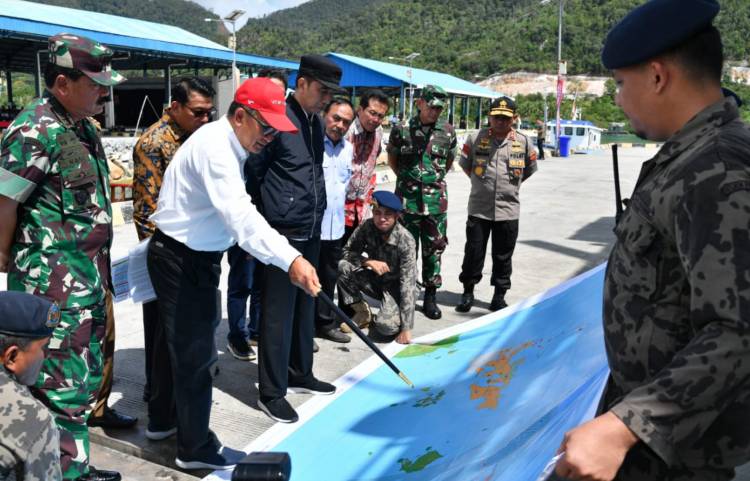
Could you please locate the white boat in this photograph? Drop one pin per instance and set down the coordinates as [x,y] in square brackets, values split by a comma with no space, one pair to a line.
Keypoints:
[583,134]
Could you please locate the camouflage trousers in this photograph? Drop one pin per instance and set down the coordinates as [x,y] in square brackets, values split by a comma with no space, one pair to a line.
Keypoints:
[69,381]
[354,281]
[642,464]
[432,231]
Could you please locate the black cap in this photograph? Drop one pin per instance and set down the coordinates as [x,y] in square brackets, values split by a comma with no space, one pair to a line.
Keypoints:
[322,69]
[24,315]
[504,106]
[387,199]
[654,28]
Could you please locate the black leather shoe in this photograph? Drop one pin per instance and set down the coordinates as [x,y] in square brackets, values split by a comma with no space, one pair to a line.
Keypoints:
[100,475]
[111,419]
[498,301]
[333,334]
[316,348]
[429,306]
[467,300]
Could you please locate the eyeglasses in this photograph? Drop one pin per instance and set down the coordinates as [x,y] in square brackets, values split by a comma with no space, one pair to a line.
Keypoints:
[373,113]
[200,113]
[266,129]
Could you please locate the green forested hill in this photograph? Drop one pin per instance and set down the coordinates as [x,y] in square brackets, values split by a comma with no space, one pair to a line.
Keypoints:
[463,37]
[181,13]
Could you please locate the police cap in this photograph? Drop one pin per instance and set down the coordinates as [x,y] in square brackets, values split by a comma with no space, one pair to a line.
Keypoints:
[383,198]
[655,27]
[24,315]
[504,106]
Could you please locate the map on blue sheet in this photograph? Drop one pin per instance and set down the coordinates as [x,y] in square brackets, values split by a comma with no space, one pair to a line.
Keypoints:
[492,401]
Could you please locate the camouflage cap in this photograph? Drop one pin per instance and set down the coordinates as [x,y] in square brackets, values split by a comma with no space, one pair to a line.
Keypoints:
[89,56]
[434,95]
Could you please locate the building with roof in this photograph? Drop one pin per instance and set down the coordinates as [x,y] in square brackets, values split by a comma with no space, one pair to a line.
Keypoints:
[398,80]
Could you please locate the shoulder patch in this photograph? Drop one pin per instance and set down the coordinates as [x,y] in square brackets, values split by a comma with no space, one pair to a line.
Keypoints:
[733,187]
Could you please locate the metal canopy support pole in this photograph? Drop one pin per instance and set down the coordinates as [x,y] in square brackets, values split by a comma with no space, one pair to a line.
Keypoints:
[465,111]
[402,101]
[109,110]
[452,109]
[38,83]
[9,80]
[354,93]
[479,112]
[168,84]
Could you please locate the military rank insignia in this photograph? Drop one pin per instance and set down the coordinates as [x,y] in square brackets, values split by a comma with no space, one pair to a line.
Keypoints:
[53,316]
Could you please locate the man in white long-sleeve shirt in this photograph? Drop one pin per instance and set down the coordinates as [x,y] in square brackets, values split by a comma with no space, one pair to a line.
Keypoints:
[203,209]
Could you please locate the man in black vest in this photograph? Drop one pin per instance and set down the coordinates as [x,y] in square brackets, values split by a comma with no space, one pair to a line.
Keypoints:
[293,199]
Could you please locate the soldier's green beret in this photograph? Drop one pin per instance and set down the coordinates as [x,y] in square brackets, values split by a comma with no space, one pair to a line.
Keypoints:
[434,95]
[88,56]
[654,28]
[24,315]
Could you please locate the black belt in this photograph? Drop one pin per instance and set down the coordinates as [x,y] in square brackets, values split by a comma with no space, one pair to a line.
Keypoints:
[180,248]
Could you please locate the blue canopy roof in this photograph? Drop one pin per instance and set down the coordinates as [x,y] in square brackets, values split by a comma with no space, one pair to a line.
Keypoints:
[362,72]
[24,20]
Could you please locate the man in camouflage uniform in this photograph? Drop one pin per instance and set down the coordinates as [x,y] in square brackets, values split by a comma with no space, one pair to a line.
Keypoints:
[57,230]
[191,107]
[496,160]
[677,292]
[388,273]
[421,154]
[29,443]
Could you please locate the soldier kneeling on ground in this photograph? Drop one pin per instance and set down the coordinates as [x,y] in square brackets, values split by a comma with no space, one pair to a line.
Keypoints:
[379,260]
[29,443]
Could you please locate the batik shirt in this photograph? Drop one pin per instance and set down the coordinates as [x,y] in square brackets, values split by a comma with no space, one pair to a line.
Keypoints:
[151,156]
[367,148]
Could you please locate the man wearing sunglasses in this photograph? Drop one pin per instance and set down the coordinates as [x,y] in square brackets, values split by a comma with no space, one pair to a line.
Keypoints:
[191,107]
[203,209]
[293,200]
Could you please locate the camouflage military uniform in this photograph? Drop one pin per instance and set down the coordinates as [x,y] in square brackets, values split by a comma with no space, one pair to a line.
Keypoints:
[57,171]
[151,156]
[677,305]
[424,154]
[29,443]
[395,289]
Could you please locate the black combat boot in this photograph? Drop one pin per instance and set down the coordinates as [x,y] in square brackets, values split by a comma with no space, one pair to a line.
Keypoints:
[498,300]
[429,306]
[467,299]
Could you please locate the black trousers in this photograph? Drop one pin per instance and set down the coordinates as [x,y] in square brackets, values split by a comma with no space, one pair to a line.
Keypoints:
[153,356]
[328,272]
[286,328]
[186,284]
[540,146]
[504,235]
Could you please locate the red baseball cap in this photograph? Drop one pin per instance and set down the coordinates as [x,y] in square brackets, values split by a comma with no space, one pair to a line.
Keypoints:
[267,98]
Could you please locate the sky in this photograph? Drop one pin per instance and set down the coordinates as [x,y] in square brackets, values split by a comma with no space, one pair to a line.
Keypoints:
[254,8]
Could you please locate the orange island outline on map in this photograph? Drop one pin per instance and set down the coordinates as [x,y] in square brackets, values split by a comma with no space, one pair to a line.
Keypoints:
[497,373]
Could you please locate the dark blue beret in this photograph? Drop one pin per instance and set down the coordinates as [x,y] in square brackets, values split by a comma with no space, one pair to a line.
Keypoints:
[24,315]
[387,199]
[655,27]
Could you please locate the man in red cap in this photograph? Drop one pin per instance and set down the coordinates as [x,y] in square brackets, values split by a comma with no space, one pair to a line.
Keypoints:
[203,209]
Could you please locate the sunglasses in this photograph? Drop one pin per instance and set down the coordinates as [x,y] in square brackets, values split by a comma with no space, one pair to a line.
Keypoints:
[199,113]
[266,129]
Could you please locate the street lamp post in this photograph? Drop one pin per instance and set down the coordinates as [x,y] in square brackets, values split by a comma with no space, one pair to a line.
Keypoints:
[232,18]
[409,58]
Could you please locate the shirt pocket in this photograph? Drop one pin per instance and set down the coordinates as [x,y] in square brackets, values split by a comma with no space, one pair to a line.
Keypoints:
[637,255]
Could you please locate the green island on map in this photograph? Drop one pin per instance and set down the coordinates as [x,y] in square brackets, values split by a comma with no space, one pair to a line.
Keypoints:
[415,350]
[409,466]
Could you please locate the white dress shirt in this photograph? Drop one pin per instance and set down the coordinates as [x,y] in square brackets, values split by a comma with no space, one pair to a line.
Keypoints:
[203,202]
[337,169]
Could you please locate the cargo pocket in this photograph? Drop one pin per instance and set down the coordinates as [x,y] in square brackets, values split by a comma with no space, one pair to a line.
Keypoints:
[637,254]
